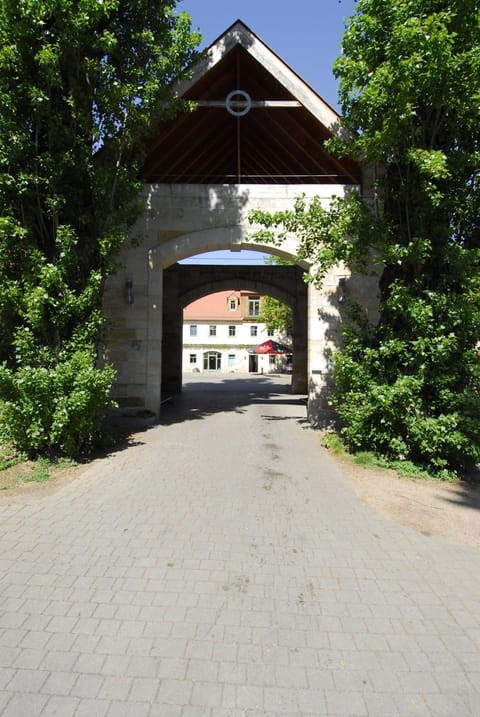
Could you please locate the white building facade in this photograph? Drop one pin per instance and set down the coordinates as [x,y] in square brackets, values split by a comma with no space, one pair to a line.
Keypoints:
[219,330]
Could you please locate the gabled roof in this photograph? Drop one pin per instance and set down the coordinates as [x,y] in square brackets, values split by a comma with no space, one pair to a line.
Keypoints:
[279,138]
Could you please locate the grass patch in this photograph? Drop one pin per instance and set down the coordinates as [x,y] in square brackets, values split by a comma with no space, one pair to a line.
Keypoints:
[9,462]
[16,469]
[367,459]
[334,443]
[41,472]
[406,469]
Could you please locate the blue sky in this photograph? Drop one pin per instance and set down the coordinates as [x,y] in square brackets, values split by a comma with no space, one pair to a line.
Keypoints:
[307,35]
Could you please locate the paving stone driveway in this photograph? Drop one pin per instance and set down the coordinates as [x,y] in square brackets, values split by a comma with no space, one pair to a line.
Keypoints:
[222,567]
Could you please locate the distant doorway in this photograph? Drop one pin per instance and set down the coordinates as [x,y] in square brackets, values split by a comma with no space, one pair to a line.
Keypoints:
[253,363]
[212,361]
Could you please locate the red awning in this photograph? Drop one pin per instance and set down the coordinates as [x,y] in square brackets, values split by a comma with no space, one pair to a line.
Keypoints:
[270,347]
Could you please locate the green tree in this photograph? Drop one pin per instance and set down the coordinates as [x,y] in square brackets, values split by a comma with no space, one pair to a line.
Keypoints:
[81,84]
[408,387]
[276,315]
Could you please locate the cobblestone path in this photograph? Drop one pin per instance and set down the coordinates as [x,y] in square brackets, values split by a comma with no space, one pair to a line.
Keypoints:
[221,567]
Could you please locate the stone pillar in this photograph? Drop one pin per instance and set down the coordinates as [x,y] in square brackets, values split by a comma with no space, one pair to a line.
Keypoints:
[125,308]
[300,343]
[154,336]
[326,305]
[172,337]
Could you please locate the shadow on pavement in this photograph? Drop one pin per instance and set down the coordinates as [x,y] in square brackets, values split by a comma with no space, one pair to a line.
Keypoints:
[201,398]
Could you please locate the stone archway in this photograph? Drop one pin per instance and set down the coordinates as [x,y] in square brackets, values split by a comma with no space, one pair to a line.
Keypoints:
[184,284]
[181,221]
[204,172]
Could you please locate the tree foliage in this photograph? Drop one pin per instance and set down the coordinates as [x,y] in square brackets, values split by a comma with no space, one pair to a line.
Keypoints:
[276,315]
[408,387]
[81,83]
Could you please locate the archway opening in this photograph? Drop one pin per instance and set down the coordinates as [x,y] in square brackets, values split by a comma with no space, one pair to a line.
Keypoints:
[227,300]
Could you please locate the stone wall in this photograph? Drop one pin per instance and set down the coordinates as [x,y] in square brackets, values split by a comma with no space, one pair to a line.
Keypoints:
[182,220]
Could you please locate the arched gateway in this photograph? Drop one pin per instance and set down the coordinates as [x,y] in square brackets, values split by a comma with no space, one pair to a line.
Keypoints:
[255,141]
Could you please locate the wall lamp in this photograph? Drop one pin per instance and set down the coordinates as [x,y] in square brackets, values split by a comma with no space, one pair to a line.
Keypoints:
[129,291]
[342,283]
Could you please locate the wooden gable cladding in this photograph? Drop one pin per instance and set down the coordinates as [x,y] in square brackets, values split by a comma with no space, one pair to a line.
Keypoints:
[279,144]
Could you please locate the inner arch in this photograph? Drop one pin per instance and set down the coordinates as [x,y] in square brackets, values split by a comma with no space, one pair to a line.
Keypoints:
[185,283]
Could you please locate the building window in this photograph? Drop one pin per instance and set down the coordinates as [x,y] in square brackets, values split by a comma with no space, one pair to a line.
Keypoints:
[232,330]
[232,304]
[254,306]
[193,329]
[270,332]
[212,331]
[231,359]
[272,359]
[253,330]
[193,358]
